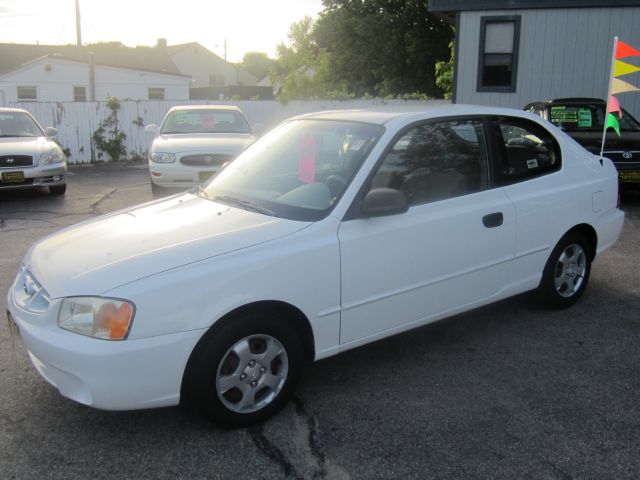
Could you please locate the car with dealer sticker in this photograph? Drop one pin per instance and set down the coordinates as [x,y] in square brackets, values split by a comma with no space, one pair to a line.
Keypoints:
[583,120]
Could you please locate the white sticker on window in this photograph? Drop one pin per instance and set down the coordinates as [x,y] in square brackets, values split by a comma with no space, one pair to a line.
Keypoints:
[532,163]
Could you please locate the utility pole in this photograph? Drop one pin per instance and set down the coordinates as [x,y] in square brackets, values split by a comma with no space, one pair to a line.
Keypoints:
[78,30]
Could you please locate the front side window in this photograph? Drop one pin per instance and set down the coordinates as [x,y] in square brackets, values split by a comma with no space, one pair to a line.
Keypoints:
[27,93]
[436,161]
[156,93]
[498,57]
[528,150]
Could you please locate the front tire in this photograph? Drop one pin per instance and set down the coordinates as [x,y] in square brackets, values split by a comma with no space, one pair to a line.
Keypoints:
[567,271]
[244,370]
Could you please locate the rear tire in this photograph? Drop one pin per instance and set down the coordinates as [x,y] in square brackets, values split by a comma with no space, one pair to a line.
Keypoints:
[244,370]
[58,189]
[567,271]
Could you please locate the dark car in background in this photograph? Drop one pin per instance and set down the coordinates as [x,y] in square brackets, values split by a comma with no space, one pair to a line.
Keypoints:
[583,120]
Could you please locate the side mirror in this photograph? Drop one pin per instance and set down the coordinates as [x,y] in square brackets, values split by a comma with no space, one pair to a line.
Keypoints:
[152,128]
[380,202]
[50,131]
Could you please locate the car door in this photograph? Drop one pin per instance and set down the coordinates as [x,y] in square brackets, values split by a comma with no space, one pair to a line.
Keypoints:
[449,251]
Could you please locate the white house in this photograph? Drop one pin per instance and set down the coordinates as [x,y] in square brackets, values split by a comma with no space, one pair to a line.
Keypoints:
[205,67]
[52,78]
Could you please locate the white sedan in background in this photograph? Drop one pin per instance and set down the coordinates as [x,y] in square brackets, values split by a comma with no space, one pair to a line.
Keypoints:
[194,142]
[333,230]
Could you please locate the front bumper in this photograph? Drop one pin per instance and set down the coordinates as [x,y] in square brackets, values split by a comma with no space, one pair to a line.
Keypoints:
[110,375]
[40,176]
[178,175]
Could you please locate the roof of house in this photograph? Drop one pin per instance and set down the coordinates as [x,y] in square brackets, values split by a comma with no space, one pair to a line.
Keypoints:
[465,5]
[151,59]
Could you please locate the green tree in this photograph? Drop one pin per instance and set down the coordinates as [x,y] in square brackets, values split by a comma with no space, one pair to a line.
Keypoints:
[444,74]
[297,70]
[382,47]
[108,138]
[257,63]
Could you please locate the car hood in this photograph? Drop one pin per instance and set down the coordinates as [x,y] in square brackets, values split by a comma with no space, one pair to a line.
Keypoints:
[205,143]
[25,145]
[99,255]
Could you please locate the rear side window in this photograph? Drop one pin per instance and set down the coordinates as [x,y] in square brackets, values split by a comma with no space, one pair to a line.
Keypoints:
[528,150]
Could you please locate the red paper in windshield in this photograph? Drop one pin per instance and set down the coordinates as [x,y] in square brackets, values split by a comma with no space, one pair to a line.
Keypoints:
[207,122]
[307,162]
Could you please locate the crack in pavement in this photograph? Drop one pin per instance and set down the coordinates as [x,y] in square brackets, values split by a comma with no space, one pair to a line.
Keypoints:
[94,206]
[92,210]
[272,451]
[300,455]
[312,440]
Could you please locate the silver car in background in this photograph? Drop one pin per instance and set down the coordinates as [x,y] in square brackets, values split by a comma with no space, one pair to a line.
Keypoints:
[29,157]
[194,142]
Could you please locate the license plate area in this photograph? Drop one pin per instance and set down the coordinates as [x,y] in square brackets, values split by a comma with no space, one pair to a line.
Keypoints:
[629,176]
[12,177]
[204,176]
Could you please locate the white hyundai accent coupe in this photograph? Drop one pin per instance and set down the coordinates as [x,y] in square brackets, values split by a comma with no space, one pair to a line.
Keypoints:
[333,230]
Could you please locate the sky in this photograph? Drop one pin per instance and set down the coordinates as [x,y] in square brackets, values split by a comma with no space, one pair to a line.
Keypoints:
[246,25]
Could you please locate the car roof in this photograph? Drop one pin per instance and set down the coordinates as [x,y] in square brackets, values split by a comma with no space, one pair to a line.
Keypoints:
[567,101]
[12,110]
[382,116]
[206,107]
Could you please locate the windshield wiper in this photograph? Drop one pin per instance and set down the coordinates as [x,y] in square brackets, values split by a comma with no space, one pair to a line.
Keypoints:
[17,136]
[245,204]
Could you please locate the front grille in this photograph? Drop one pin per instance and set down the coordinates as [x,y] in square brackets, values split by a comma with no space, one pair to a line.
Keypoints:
[10,161]
[207,159]
[623,156]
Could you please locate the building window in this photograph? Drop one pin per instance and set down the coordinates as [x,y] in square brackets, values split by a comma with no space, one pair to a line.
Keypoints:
[498,57]
[156,93]
[217,80]
[79,94]
[26,93]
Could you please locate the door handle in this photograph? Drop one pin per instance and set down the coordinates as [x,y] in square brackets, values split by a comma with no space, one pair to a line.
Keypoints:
[493,220]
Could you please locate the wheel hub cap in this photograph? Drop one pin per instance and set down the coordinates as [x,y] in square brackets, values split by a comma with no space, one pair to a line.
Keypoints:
[570,271]
[252,373]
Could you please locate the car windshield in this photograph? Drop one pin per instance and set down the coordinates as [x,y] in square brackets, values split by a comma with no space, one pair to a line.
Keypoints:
[18,124]
[297,171]
[204,121]
[587,117]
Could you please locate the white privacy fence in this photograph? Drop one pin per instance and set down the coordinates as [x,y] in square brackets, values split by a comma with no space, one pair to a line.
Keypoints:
[76,121]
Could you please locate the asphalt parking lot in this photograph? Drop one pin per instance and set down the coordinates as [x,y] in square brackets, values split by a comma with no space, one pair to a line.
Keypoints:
[509,391]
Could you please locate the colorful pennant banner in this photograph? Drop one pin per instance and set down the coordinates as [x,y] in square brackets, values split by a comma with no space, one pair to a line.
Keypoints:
[618,69]
[614,106]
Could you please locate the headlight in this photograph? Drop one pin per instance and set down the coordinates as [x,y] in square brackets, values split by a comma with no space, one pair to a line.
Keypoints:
[105,318]
[54,156]
[163,157]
